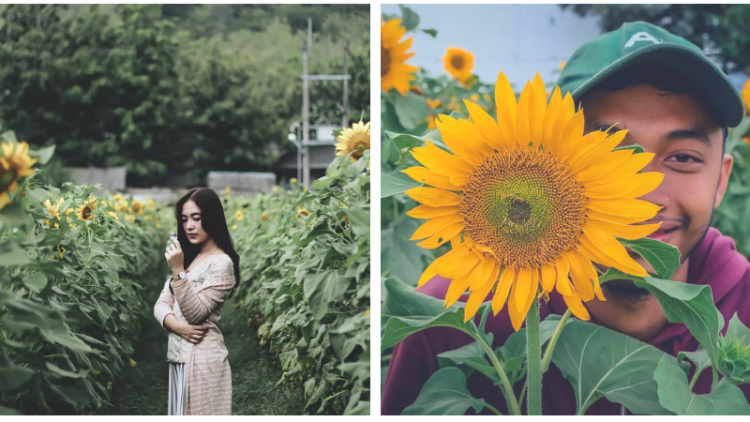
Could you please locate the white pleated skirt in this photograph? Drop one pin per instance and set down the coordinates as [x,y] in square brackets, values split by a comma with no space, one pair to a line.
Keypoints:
[177,388]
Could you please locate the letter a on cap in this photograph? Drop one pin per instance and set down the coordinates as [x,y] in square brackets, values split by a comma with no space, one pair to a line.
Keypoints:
[641,36]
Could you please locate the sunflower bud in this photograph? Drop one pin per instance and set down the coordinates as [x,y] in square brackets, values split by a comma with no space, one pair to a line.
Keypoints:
[735,358]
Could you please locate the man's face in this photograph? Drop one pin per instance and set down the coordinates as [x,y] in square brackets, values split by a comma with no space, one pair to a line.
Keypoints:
[687,144]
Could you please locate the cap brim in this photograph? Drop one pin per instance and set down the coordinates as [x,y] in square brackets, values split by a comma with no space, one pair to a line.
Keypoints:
[712,85]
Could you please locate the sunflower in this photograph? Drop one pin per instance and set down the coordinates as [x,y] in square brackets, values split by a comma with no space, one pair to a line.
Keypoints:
[60,252]
[239,215]
[92,202]
[528,200]
[67,212]
[53,210]
[459,62]
[431,125]
[302,211]
[14,164]
[137,206]
[394,72]
[354,140]
[113,214]
[433,104]
[118,197]
[227,190]
[265,216]
[150,204]
[746,96]
[84,212]
[234,227]
[129,217]
[293,180]
[120,206]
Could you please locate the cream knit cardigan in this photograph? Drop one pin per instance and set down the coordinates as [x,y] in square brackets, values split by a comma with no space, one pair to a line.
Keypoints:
[198,299]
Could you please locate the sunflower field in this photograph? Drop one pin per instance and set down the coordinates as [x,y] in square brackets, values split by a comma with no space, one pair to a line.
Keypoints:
[75,273]
[305,264]
[484,238]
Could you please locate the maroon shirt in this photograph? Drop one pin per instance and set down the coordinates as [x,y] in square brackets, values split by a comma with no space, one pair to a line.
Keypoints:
[715,262]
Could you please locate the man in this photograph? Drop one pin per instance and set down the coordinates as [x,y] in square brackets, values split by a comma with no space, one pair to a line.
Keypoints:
[676,104]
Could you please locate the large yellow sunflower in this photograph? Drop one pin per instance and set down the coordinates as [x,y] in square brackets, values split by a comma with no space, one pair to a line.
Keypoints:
[394,72]
[355,140]
[527,201]
[14,164]
[459,62]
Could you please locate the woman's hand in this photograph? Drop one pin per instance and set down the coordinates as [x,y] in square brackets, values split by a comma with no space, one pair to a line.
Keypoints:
[193,333]
[175,258]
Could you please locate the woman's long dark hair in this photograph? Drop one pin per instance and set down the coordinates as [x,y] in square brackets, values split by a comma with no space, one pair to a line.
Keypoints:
[214,224]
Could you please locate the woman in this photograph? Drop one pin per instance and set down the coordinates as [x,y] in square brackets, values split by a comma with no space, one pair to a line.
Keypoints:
[205,272]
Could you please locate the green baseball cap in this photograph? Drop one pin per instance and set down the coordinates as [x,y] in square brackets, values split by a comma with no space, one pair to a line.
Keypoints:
[637,43]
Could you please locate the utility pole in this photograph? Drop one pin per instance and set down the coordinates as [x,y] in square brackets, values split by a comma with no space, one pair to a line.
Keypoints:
[305,118]
[306,53]
[345,120]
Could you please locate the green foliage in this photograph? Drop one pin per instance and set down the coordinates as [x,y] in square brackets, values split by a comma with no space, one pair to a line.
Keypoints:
[734,211]
[710,26]
[600,362]
[72,297]
[445,393]
[735,352]
[674,394]
[123,85]
[305,256]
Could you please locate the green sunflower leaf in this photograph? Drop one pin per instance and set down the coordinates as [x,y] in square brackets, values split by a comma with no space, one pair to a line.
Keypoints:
[600,362]
[663,257]
[406,311]
[675,395]
[395,183]
[637,149]
[445,393]
[691,304]
[410,19]
[431,32]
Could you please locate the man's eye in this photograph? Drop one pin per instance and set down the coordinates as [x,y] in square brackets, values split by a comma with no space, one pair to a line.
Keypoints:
[683,158]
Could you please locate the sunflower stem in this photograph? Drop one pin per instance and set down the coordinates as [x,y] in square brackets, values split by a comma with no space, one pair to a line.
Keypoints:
[553,341]
[510,396]
[534,359]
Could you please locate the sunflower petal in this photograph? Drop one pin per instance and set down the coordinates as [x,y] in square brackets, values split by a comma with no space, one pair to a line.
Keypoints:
[576,307]
[444,236]
[562,284]
[456,289]
[506,109]
[624,231]
[634,186]
[624,207]
[425,175]
[463,138]
[537,110]
[611,247]
[523,131]
[434,226]
[482,272]
[549,276]
[476,298]
[433,197]
[507,279]
[580,278]
[424,212]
